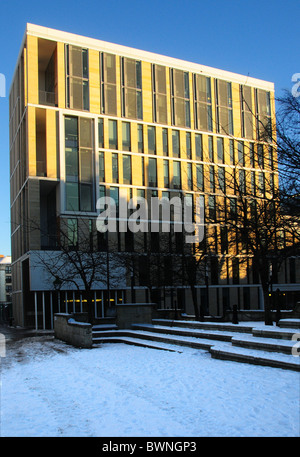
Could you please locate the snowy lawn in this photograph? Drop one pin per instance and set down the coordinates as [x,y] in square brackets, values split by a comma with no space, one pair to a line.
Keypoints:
[49,388]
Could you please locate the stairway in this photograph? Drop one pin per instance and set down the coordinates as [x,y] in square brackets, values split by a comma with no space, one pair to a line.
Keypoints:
[235,342]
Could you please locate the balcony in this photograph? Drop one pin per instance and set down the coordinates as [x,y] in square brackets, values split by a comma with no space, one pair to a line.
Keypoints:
[46,98]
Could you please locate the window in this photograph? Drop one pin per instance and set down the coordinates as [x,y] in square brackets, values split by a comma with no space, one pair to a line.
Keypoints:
[212,178]
[165,142]
[79,164]
[126,169]
[220,150]
[210,149]
[115,168]
[188,146]
[241,155]
[126,143]
[131,78]
[203,108]
[166,173]
[198,144]
[180,98]
[242,182]
[260,155]
[224,107]
[175,143]
[108,84]
[140,138]
[231,152]
[221,176]
[246,111]
[77,78]
[263,115]
[151,140]
[72,236]
[252,157]
[112,134]
[212,208]
[189,176]
[152,174]
[176,175]
[199,177]
[159,88]
[101,167]
[114,194]
[100,134]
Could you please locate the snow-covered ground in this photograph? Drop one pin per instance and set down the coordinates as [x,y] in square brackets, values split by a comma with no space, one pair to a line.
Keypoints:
[49,388]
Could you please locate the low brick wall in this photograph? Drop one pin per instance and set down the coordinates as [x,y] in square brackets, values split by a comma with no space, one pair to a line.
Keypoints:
[134,313]
[78,334]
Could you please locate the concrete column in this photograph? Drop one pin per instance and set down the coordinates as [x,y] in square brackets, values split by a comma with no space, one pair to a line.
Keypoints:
[35,310]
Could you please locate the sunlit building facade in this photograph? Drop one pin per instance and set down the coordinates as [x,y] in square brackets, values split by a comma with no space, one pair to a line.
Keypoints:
[90,118]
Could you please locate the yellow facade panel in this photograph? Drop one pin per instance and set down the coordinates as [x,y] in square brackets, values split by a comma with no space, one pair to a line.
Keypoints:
[51,155]
[94,80]
[147,92]
[31,140]
[32,70]
[61,80]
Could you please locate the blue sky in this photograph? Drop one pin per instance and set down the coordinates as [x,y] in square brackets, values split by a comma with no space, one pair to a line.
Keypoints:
[258,38]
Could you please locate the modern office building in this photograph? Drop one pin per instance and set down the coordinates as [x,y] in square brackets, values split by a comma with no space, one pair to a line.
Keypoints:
[90,119]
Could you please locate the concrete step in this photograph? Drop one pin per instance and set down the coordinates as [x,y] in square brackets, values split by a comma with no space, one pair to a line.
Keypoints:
[237,354]
[148,335]
[195,333]
[271,345]
[289,323]
[240,348]
[274,332]
[221,326]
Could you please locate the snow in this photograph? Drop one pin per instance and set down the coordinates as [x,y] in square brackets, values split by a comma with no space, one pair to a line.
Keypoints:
[51,389]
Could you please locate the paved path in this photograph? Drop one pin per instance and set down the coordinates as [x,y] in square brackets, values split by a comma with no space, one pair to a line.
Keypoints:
[18,333]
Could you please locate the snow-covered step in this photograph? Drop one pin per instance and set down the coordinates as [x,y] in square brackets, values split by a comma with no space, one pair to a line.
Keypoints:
[135,342]
[289,323]
[148,335]
[264,344]
[195,333]
[238,354]
[240,328]
[274,332]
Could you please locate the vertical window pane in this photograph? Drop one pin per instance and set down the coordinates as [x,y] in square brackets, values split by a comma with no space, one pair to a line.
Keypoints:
[72,232]
[151,140]
[165,141]
[188,145]
[115,168]
[152,176]
[166,173]
[126,169]
[176,175]
[140,138]
[100,133]
[200,178]
[189,176]
[72,197]
[220,147]
[126,136]
[210,149]
[101,167]
[198,144]
[112,134]
[175,143]
[231,152]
